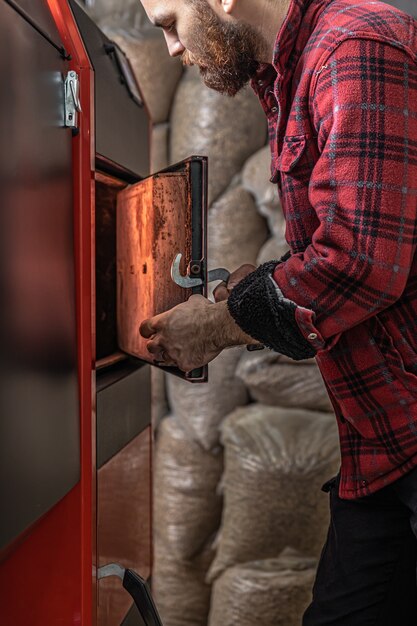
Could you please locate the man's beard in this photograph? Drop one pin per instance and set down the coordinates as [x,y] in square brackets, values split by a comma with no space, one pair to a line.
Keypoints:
[225,53]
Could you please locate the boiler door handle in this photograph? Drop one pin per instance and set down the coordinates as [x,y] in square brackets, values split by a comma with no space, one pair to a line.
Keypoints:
[138,589]
[187,281]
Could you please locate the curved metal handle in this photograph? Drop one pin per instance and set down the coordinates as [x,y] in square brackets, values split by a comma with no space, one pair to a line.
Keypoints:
[183,281]
[220,273]
[138,588]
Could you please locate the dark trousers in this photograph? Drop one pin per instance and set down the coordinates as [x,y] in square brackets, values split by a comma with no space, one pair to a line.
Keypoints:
[367,570]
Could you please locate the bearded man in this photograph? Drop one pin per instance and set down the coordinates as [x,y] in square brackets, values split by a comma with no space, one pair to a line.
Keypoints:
[337,80]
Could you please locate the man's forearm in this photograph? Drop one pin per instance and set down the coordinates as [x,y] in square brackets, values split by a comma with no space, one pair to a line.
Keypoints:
[224,328]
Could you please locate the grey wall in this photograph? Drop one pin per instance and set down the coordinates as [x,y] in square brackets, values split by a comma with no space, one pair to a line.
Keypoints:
[410,6]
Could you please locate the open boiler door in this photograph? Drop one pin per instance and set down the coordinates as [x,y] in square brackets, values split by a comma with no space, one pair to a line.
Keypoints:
[158,218]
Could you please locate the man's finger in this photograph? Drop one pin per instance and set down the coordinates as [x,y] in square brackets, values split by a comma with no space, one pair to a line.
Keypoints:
[155,347]
[161,356]
[221,292]
[239,274]
[147,328]
[167,362]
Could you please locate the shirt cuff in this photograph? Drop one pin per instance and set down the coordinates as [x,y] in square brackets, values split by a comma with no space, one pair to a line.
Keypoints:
[259,307]
[305,319]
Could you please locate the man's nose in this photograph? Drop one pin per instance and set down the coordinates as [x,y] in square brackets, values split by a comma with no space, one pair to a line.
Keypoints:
[175,47]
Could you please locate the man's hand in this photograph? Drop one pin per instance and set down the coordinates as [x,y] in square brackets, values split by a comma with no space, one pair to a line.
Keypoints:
[223,290]
[192,334]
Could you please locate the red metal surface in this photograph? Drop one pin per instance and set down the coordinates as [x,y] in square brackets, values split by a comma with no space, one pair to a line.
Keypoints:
[46,580]
[83,166]
[39,581]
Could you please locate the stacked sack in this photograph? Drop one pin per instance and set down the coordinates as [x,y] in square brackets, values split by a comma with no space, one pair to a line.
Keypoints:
[254,178]
[187,503]
[227,130]
[187,510]
[202,408]
[205,122]
[271,592]
[276,460]
[274,379]
[274,517]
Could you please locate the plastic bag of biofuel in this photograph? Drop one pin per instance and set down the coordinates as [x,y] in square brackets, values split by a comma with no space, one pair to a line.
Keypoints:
[255,178]
[233,242]
[274,379]
[276,461]
[227,130]
[181,594]
[187,504]
[201,408]
[272,592]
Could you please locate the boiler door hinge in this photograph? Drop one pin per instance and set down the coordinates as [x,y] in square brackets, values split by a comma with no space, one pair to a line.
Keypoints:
[72,100]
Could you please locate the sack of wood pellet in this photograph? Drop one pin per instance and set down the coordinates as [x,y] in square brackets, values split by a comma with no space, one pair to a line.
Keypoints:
[255,178]
[147,50]
[115,13]
[276,461]
[159,400]
[225,129]
[159,147]
[187,503]
[236,231]
[273,380]
[273,248]
[273,592]
[202,408]
[181,594]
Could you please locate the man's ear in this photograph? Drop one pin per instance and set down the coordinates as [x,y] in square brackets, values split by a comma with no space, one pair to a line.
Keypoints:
[229,5]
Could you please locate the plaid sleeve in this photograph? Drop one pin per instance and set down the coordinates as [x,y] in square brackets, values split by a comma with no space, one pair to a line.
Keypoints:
[363,189]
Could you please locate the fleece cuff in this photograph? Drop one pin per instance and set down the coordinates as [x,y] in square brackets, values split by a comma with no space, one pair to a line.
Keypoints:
[258,306]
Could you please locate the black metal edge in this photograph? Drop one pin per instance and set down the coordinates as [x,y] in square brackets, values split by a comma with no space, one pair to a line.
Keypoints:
[198,182]
[102,458]
[38,28]
[181,166]
[126,71]
[114,372]
[106,166]
[123,412]
[139,590]
[133,617]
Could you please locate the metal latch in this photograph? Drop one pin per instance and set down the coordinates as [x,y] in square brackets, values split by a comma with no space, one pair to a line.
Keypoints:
[188,281]
[72,99]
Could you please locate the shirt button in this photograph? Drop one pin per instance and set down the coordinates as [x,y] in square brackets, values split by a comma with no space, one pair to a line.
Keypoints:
[364,483]
[312,336]
[274,109]
[260,83]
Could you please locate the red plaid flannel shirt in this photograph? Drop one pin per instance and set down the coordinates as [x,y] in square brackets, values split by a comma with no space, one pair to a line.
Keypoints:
[341,102]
